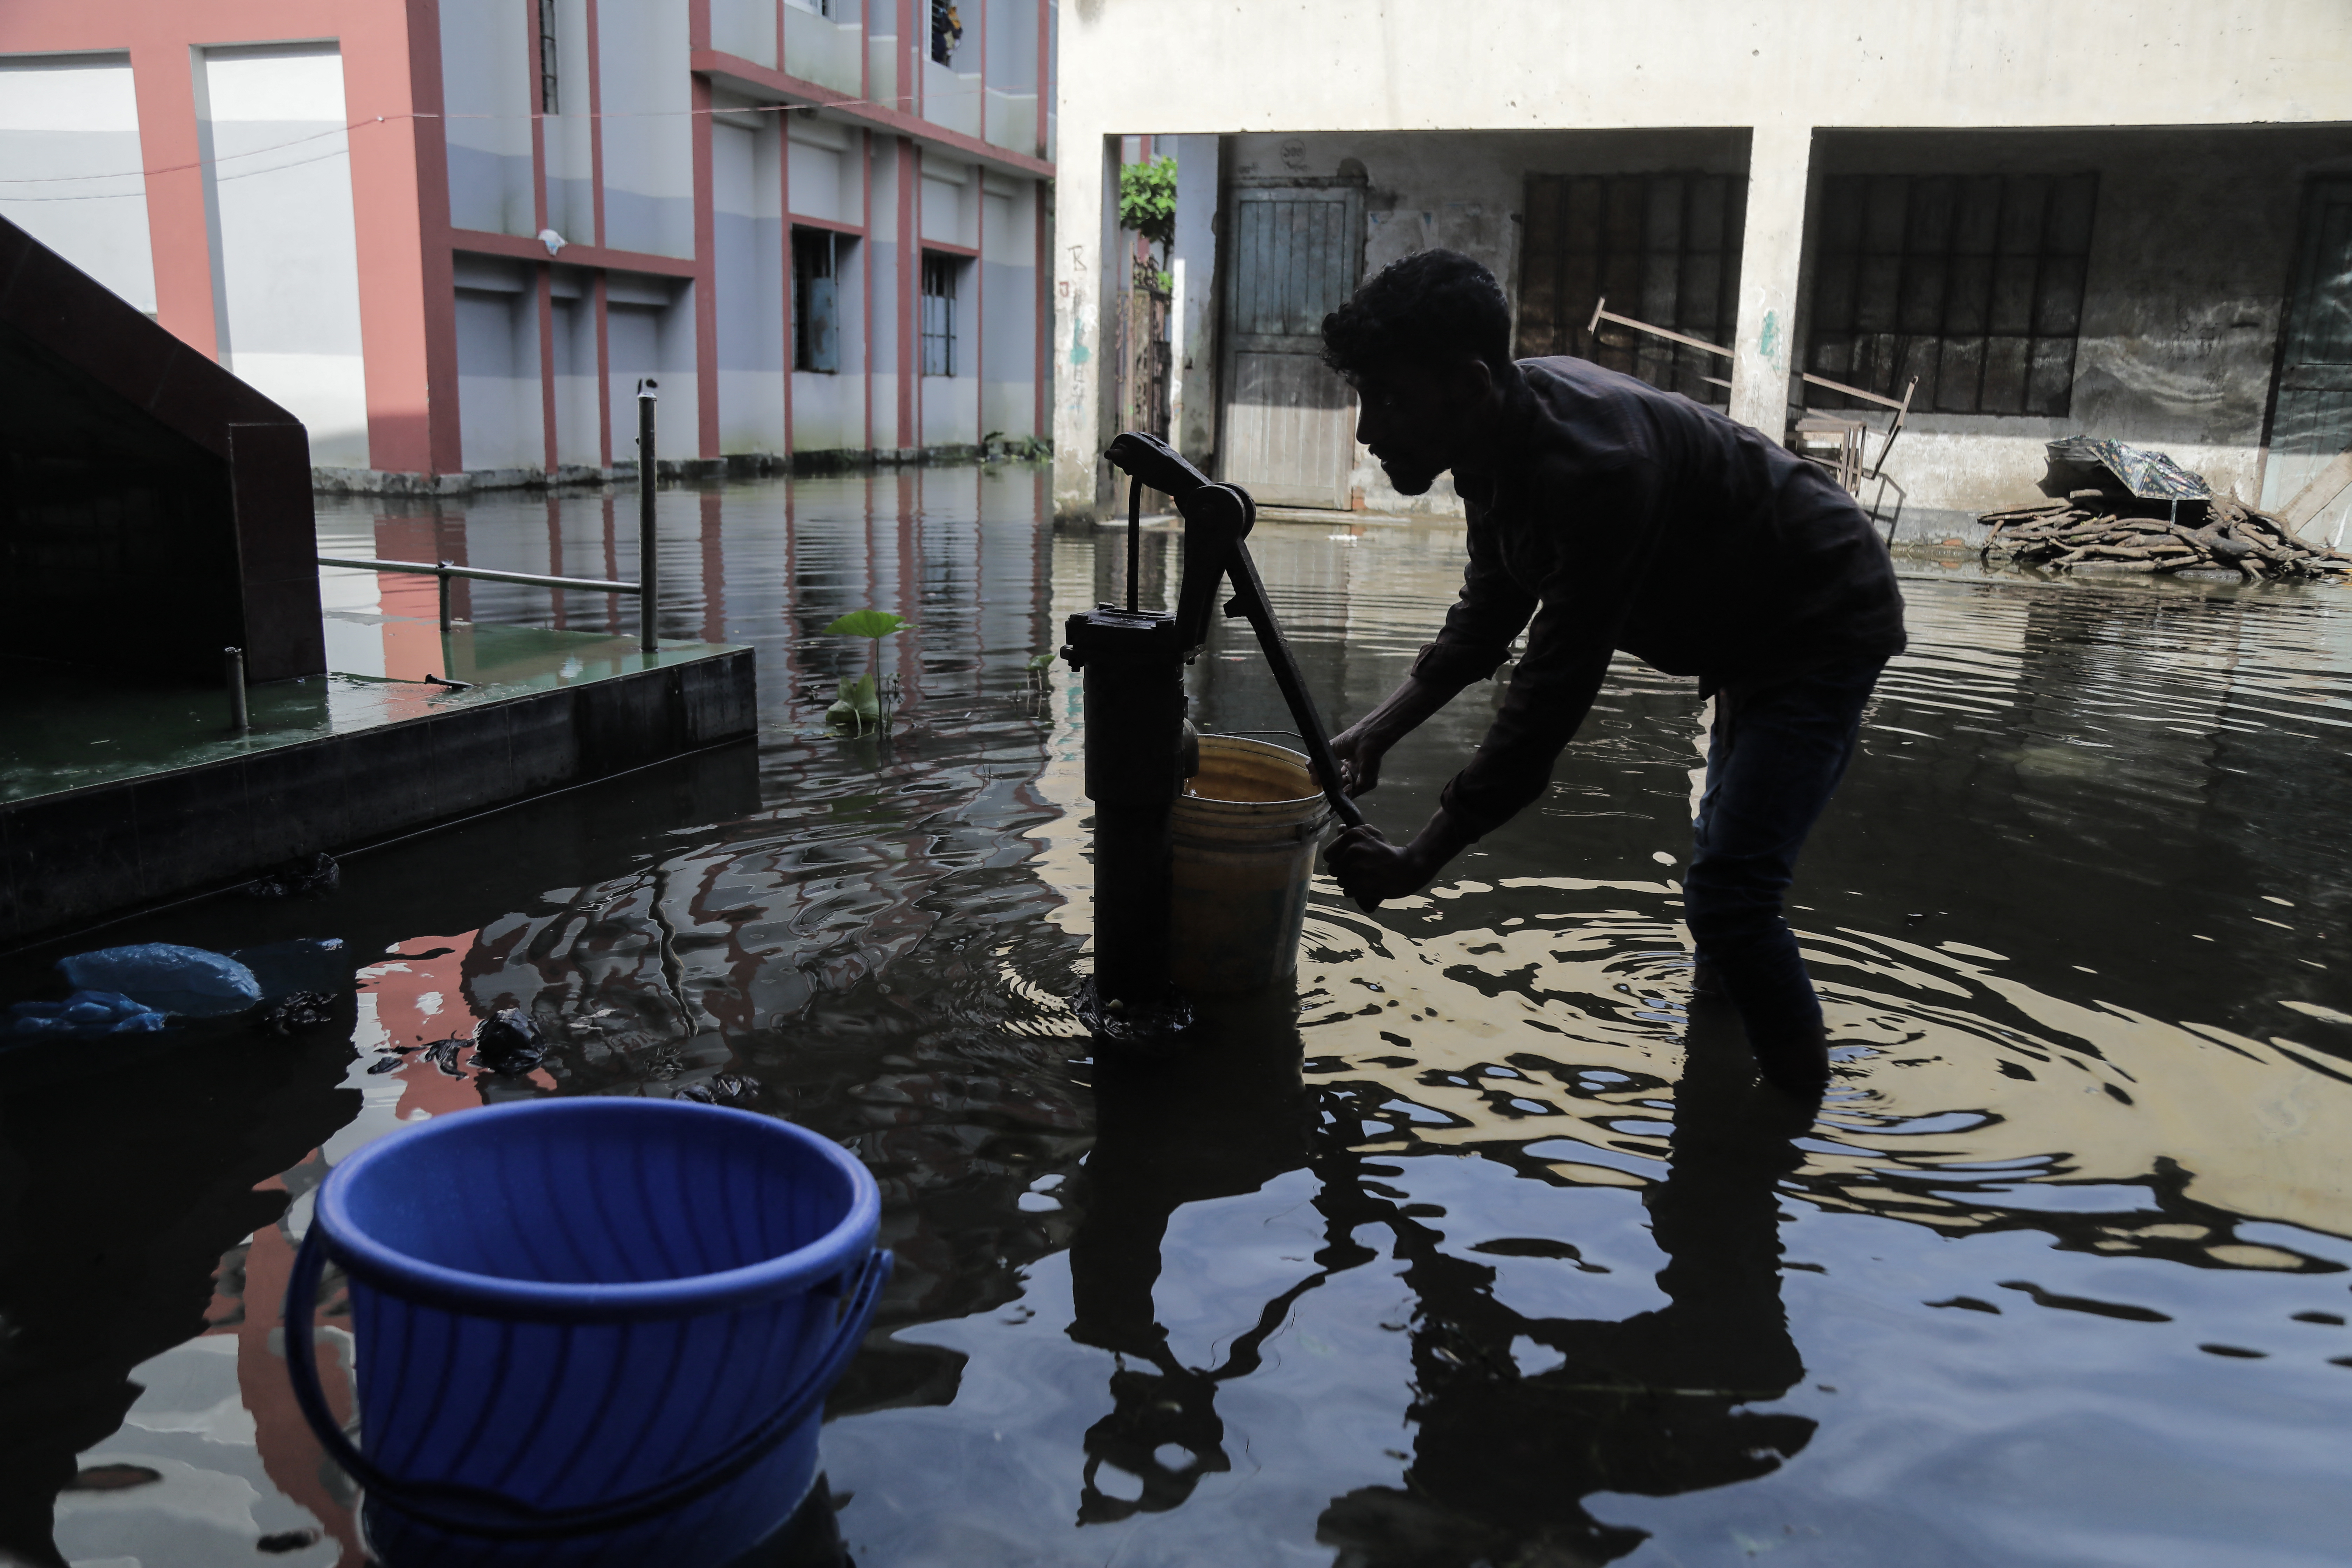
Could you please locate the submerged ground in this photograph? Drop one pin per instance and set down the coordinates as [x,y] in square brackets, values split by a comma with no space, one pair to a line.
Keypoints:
[1480,1249]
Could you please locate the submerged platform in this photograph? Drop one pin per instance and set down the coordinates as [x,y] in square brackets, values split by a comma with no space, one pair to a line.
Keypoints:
[115,794]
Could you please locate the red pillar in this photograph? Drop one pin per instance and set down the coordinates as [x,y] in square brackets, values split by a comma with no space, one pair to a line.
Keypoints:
[163,79]
[706,244]
[400,204]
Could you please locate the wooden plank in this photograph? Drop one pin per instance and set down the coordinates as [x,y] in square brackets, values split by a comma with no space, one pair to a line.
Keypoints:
[2313,498]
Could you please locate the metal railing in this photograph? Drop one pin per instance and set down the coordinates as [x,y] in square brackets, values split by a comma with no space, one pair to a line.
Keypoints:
[1849,469]
[445,571]
[645,587]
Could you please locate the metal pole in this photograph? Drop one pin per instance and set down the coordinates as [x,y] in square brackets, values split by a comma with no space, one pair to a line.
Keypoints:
[233,662]
[1134,540]
[444,575]
[648,568]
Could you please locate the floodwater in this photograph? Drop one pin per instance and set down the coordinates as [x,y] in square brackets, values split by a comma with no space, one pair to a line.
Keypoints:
[1481,1248]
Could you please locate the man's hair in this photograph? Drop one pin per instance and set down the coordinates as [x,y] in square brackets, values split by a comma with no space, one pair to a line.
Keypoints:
[1421,309]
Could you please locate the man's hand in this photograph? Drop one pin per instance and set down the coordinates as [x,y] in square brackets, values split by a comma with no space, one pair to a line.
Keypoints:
[1358,751]
[1372,869]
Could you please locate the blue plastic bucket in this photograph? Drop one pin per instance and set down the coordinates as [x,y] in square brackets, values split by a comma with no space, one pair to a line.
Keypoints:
[589,1330]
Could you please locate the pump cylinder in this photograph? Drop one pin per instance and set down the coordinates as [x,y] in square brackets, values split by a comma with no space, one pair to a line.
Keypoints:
[1134,671]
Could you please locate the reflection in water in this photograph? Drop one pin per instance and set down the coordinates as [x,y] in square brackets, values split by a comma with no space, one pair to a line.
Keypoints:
[1190,1126]
[1480,1249]
[1655,1403]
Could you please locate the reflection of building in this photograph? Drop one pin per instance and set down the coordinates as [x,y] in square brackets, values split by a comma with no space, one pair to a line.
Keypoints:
[1967,195]
[452,236]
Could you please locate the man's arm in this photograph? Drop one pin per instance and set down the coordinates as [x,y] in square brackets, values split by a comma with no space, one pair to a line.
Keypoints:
[1475,639]
[1584,605]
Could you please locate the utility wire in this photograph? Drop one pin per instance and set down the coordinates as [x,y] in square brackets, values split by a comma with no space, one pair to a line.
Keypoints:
[6,180]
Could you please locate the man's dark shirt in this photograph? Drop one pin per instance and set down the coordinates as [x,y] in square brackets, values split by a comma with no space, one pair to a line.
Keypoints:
[1620,516]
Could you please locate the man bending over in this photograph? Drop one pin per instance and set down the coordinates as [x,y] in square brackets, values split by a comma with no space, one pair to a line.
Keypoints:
[1607,514]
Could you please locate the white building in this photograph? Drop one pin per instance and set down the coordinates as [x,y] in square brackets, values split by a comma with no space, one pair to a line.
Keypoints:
[453,234]
[2129,222]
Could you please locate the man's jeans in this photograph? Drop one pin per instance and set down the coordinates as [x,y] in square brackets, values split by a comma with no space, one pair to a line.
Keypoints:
[1774,757]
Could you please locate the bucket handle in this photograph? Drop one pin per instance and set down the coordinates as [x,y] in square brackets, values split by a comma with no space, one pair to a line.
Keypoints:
[478,1511]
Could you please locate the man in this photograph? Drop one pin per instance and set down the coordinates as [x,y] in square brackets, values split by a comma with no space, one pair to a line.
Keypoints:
[1606,514]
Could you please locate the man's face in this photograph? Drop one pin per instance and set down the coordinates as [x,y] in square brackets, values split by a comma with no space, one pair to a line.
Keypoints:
[1419,420]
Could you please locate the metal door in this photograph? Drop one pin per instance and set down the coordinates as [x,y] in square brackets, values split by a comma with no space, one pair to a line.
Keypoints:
[1289,422]
[2310,463]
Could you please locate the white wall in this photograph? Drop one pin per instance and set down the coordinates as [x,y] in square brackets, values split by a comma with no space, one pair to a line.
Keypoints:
[277,198]
[649,129]
[500,416]
[1778,68]
[571,157]
[649,330]
[1195,355]
[489,87]
[70,166]
[1008,306]
[573,333]
[750,266]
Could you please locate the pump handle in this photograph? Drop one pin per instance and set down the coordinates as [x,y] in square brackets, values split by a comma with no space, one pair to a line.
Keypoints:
[1155,462]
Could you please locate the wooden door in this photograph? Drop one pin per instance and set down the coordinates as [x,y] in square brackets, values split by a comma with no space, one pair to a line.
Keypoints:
[1289,422]
[2311,427]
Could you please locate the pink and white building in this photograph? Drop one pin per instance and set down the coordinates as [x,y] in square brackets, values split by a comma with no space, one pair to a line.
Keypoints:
[452,234]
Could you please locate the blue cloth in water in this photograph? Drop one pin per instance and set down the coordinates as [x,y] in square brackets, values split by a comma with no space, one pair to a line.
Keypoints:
[189,981]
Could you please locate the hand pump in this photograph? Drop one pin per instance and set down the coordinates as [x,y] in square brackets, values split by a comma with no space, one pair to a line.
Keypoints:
[1133,660]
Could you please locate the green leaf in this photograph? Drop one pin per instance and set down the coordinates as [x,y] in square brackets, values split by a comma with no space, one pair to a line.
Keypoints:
[1147,199]
[862,697]
[1042,661]
[867,624]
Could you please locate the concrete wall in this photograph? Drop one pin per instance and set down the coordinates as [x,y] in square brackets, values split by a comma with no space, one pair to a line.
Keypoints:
[1193,409]
[81,853]
[2192,250]
[488,81]
[751,268]
[649,332]
[311,205]
[277,199]
[70,166]
[648,127]
[498,399]
[1777,71]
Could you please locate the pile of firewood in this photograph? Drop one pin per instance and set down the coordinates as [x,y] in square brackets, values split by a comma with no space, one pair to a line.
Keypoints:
[2088,529]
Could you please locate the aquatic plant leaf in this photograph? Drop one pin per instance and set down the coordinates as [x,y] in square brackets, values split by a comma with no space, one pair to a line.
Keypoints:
[860,704]
[867,624]
[1041,661]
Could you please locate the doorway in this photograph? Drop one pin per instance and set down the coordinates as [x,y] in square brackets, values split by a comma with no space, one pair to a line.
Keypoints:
[1289,421]
[2307,478]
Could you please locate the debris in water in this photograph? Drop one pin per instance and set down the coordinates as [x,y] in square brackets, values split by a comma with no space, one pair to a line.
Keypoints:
[112,1478]
[302,1010]
[727,1089]
[2093,528]
[189,981]
[442,1054]
[287,1541]
[507,1042]
[85,1015]
[313,876]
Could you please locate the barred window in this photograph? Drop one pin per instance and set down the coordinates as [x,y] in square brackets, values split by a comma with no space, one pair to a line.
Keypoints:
[816,299]
[1971,282]
[939,298]
[1662,248]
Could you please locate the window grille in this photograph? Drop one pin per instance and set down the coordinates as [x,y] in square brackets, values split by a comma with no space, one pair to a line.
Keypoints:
[940,313]
[816,300]
[947,31]
[547,58]
[1971,282]
[1662,248]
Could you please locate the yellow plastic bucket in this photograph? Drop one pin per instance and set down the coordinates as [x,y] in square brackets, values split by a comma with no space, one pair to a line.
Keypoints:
[1246,829]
